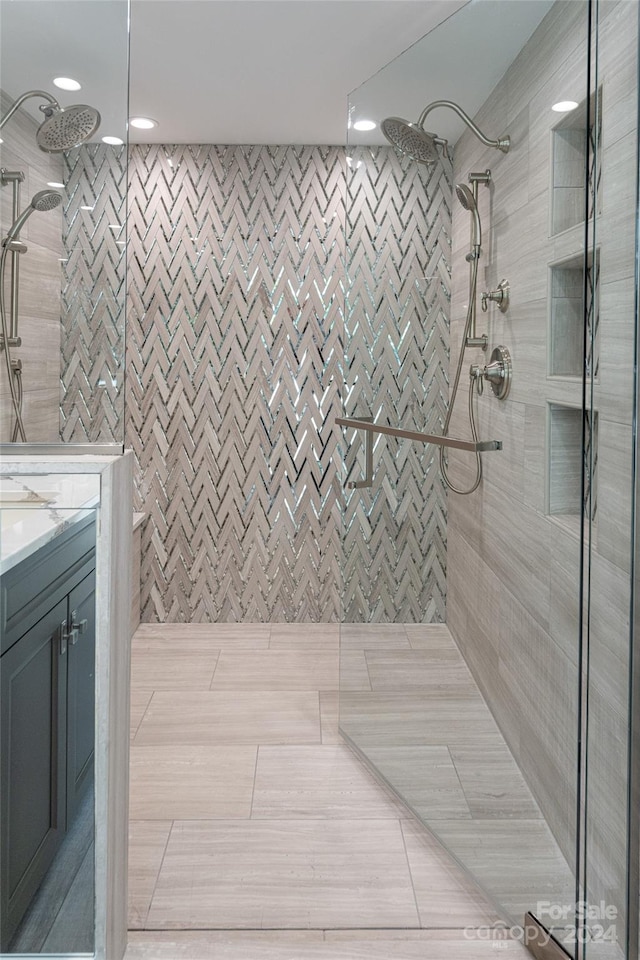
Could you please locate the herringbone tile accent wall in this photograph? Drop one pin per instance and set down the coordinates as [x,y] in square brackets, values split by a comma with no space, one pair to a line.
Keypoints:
[396,370]
[236,283]
[234,360]
[93,295]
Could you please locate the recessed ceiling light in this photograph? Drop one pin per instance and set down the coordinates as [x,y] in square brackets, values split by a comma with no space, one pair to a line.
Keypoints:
[564,106]
[113,141]
[56,186]
[364,125]
[143,123]
[121,243]
[86,208]
[67,83]
[115,226]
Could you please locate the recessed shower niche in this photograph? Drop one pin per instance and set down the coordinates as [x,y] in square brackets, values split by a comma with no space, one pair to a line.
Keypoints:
[577,135]
[566,495]
[568,313]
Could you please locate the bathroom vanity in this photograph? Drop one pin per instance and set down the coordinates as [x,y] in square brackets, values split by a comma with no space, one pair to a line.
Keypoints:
[47,684]
[65,554]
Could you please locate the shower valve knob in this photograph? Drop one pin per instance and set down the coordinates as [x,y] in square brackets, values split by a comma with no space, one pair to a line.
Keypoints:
[497,372]
[500,296]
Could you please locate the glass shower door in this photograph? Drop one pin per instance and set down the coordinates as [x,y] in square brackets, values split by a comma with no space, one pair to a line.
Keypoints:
[485,638]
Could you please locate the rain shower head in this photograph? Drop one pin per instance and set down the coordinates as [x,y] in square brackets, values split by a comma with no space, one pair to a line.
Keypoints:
[63,127]
[414,141]
[42,201]
[66,127]
[411,139]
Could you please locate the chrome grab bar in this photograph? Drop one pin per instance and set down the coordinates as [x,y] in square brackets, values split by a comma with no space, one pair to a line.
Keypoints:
[482,446]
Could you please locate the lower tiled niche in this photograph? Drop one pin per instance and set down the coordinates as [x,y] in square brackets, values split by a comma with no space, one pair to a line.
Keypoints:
[567,461]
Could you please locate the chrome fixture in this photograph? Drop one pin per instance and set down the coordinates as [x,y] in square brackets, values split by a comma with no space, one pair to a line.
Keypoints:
[63,127]
[414,141]
[468,197]
[367,424]
[368,460]
[15,178]
[42,201]
[500,296]
[468,201]
[498,372]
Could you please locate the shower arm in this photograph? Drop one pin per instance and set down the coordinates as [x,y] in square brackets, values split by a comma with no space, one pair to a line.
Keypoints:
[53,103]
[503,144]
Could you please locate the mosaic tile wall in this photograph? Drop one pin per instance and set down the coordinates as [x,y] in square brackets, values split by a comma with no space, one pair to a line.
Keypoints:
[237,285]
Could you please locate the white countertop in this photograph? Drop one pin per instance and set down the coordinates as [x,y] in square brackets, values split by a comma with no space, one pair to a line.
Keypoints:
[36,509]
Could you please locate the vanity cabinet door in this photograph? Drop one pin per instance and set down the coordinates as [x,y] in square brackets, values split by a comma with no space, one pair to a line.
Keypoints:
[33,715]
[80,692]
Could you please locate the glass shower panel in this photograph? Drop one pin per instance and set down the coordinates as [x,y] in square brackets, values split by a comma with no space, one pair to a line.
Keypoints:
[611,400]
[462,621]
[65,279]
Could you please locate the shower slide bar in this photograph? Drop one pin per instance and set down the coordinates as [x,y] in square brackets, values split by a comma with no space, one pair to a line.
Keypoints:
[482,446]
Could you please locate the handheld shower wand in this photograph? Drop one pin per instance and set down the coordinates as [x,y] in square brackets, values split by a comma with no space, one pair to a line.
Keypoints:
[42,201]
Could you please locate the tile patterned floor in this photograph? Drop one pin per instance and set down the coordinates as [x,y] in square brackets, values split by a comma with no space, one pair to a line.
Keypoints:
[256,834]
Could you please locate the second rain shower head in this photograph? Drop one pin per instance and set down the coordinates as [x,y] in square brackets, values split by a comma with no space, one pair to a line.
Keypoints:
[42,202]
[414,141]
[63,127]
[66,127]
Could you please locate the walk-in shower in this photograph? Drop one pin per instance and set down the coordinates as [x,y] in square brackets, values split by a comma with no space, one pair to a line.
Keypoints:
[497,704]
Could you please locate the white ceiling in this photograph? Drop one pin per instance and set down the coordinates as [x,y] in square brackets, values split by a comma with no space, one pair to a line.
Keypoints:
[261,71]
[264,71]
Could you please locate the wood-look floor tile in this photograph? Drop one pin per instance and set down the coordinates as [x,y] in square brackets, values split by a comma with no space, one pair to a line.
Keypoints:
[238,636]
[434,637]
[176,945]
[230,716]
[517,861]
[329,702]
[315,782]
[408,669]
[285,636]
[354,674]
[147,844]
[403,719]
[370,636]
[277,670]
[287,873]
[172,669]
[425,777]
[492,783]
[445,897]
[191,782]
[140,700]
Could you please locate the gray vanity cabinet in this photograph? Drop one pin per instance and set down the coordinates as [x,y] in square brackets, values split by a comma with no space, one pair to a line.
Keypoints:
[47,695]
[32,774]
